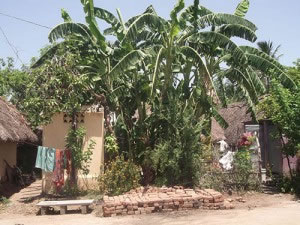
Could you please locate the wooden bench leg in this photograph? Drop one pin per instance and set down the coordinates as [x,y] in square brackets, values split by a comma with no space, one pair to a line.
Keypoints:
[63,210]
[84,209]
[44,210]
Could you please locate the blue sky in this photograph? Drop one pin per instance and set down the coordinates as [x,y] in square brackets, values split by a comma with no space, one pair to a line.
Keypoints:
[277,20]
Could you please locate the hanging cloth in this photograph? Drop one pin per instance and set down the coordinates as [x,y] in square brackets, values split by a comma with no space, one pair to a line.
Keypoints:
[58,174]
[45,159]
[67,160]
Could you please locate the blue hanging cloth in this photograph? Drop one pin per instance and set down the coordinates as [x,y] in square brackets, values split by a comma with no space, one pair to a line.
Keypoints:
[45,159]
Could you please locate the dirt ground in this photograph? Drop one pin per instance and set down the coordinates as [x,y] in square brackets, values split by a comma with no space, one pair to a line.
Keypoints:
[256,209]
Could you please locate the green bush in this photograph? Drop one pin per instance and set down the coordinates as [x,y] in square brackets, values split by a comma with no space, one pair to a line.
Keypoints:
[176,157]
[288,185]
[4,200]
[119,177]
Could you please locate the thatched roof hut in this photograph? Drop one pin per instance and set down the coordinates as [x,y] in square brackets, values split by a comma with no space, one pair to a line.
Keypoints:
[236,114]
[13,126]
[217,132]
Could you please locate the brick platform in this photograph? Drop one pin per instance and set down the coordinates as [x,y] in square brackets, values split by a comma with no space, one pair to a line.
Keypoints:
[149,200]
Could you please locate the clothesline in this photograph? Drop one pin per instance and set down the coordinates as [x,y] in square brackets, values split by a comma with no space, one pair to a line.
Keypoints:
[36,145]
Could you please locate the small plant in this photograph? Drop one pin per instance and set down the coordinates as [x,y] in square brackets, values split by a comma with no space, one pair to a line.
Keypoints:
[111,147]
[119,177]
[4,200]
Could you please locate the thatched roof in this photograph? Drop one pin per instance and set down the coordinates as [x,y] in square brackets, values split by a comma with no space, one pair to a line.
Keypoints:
[217,132]
[13,126]
[235,115]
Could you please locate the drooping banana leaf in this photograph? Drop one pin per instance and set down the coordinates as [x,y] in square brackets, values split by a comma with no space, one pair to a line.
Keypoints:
[236,30]
[64,30]
[219,19]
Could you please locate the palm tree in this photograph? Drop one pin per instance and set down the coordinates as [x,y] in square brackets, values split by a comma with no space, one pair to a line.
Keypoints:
[268,48]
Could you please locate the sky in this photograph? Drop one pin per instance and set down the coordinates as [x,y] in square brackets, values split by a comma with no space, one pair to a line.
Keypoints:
[277,20]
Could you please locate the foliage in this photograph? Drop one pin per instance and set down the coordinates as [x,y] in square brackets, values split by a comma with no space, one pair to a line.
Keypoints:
[177,154]
[13,82]
[242,166]
[4,200]
[58,86]
[75,143]
[111,147]
[282,106]
[162,78]
[288,185]
[119,177]
[241,177]
[217,179]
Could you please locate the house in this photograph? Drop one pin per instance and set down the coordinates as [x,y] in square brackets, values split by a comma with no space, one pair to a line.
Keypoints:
[14,129]
[92,119]
[239,120]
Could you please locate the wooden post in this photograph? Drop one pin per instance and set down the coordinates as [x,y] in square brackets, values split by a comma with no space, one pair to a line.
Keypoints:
[266,139]
[44,210]
[63,210]
[84,209]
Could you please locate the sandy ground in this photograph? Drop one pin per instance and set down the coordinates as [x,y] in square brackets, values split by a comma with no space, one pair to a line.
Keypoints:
[259,209]
[287,213]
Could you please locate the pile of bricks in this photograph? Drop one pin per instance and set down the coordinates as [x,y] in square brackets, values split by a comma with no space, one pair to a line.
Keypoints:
[149,200]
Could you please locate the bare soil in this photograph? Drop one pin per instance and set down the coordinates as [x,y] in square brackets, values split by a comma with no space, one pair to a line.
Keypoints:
[250,208]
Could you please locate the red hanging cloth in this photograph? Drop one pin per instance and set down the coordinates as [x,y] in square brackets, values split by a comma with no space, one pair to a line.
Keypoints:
[58,174]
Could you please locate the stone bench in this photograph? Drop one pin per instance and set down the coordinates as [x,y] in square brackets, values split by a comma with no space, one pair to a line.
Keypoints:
[44,205]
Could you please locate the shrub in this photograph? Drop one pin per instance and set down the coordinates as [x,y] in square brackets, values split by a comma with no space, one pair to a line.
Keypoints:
[4,200]
[288,185]
[241,177]
[119,177]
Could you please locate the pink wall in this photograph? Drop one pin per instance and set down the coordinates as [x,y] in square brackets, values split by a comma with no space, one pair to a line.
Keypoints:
[293,161]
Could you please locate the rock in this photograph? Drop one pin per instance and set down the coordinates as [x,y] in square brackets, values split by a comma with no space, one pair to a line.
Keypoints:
[229,200]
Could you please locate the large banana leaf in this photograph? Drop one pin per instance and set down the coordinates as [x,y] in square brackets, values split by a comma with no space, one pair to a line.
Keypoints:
[219,19]
[192,13]
[106,16]
[148,19]
[237,30]
[242,8]
[66,29]
[221,121]
[178,7]
[127,62]
[224,42]
[88,7]
[255,51]
[157,63]
[241,77]
[269,68]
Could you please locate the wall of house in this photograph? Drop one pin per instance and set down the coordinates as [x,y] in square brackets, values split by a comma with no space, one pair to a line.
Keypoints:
[54,136]
[8,152]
